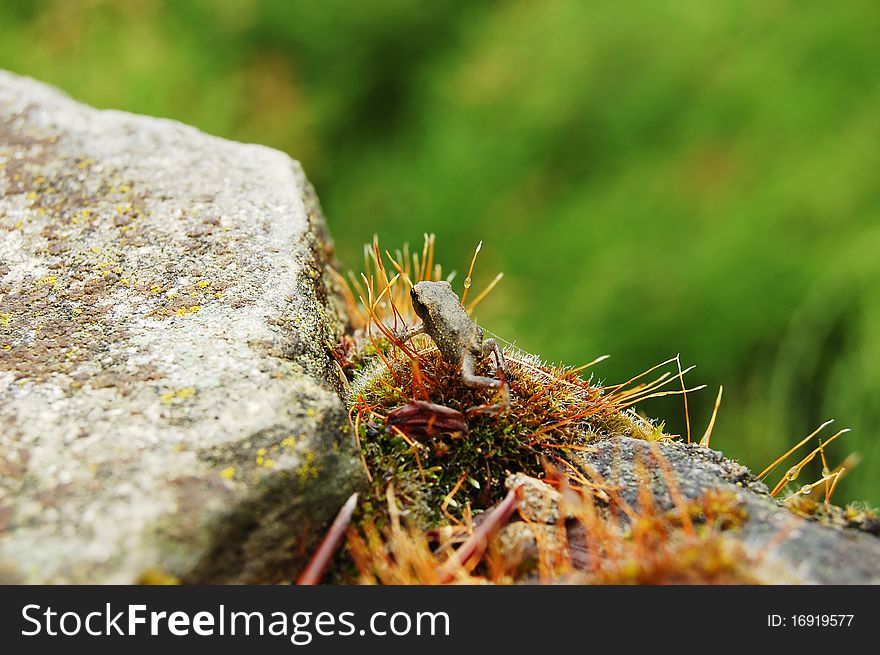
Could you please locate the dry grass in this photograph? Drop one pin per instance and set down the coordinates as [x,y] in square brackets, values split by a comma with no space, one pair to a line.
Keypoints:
[594,542]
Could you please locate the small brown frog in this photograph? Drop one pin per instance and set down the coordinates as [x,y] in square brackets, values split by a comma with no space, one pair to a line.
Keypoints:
[458,338]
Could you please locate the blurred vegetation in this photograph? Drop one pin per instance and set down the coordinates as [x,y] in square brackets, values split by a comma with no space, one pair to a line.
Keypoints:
[652,177]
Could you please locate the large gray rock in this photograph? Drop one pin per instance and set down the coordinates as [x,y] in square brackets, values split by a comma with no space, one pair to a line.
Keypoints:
[796,550]
[166,400]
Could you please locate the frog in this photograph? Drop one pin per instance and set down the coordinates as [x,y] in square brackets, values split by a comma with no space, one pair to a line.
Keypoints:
[458,338]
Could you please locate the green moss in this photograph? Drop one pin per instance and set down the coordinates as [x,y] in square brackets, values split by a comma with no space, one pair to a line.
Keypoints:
[855,515]
[553,412]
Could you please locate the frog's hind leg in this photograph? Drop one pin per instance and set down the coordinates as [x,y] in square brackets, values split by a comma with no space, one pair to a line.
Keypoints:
[491,346]
[471,379]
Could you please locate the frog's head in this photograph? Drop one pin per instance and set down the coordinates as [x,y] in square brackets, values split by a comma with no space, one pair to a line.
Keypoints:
[429,299]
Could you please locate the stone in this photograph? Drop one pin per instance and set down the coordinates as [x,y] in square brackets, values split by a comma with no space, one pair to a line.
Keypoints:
[795,549]
[540,502]
[168,408]
[783,548]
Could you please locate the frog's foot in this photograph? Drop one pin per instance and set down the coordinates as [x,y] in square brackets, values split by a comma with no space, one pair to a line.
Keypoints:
[493,408]
[491,346]
[475,381]
[471,379]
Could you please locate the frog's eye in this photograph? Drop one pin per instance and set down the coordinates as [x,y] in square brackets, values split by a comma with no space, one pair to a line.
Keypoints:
[419,307]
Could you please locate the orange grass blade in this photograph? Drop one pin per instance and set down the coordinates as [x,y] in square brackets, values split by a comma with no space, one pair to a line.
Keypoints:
[641,375]
[357,438]
[674,489]
[414,448]
[795,470]
[707,435]
[485,292]
[658,394]
[468,279]
[687,416]
[455,489]
[837,477]
[794,448]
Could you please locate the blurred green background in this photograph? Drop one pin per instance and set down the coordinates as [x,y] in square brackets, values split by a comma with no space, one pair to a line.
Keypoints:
[653,178]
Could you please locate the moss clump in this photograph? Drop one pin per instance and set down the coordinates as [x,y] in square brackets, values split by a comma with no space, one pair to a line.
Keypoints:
[439,476]
[855,515]
[553,412]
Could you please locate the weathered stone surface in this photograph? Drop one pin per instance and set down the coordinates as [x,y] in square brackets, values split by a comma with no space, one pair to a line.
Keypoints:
[796,549]
[165,397]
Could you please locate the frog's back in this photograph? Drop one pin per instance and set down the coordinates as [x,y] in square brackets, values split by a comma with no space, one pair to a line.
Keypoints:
[457,333]
[446,321]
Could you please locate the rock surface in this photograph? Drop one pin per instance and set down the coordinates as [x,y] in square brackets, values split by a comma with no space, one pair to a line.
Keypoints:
[166,401]
[797,549]
[782,548]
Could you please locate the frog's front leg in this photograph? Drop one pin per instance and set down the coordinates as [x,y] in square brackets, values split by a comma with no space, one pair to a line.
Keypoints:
[408,333]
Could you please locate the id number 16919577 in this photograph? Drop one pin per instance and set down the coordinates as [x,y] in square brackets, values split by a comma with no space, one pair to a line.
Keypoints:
[810,620]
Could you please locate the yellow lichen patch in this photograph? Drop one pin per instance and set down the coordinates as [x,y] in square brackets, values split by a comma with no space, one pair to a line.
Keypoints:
[157,577]
[180,394]
[288,442]
[308,470]
[5,319]
[228,473]
[49,279]
[81,216]
[202,284]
